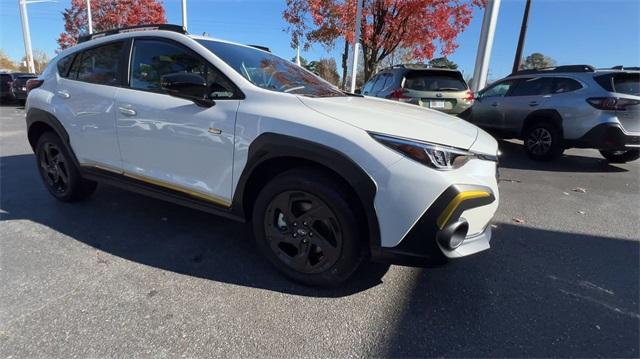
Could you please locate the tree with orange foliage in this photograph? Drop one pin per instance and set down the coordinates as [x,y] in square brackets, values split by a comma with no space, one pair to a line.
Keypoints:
[106,15]
[420,25]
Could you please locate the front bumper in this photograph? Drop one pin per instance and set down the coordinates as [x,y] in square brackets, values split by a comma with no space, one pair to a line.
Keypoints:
[606,136]
[426,244]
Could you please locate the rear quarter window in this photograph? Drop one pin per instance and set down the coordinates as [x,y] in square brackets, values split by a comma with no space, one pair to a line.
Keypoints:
[64,64]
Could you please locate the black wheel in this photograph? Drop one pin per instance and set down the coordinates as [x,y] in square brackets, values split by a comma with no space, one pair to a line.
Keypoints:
[622,156]
[543,142]
[305,226]
[58,172]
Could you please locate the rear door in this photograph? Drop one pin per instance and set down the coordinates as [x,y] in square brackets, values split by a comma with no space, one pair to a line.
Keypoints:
[85,100]
[528,95]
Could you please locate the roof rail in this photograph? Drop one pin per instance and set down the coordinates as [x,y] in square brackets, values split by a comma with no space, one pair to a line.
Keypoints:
[565,68]
[167,27]
[621,68]
[260,47]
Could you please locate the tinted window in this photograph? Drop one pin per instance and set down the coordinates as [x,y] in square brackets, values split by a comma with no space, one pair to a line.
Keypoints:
[64,64]
[563,84]
[100,65]
[5,78]
[380,83]
[498,90]
[271,72]
[369,85]
[533,87]
[626,83]
[153,59]
[434,81]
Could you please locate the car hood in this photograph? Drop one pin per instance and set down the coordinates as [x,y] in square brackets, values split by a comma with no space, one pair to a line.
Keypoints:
[396,119]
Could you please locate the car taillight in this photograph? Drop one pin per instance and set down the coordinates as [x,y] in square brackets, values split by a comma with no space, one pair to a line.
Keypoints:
[470,96]
[33,83]
[399,95]
[612,103]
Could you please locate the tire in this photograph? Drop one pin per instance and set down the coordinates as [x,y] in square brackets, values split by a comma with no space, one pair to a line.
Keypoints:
[304,225]
[58,172]
[623,156]
[543,141]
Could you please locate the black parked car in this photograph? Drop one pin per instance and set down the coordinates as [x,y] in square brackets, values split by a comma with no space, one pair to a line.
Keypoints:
[13,85]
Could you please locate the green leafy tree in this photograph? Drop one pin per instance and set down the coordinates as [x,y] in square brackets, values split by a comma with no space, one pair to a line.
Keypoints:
[443,62]
[537,61]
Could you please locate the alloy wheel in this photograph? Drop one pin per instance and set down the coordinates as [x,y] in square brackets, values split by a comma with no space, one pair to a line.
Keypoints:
[54,168]
[539,141]
[303,231]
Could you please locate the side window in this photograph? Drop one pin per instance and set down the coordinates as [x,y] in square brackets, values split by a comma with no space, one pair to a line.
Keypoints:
[99,65]
[5,78]
[153,59]
[563,84]
[64,64]
[498,90]
[534,87]
[368,86]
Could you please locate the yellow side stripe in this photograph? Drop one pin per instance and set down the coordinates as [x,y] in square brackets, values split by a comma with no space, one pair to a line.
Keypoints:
[160,183]
[455,203]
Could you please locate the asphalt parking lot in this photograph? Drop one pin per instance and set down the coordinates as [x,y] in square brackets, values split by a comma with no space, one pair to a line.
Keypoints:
[122,275]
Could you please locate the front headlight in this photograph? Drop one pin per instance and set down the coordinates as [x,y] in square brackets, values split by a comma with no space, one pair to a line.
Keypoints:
[433,155]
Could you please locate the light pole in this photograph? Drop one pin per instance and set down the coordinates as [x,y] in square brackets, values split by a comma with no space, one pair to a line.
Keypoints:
[356,45]
[89,17]
[184,14]
[486,43]
[26,34]
[523,34]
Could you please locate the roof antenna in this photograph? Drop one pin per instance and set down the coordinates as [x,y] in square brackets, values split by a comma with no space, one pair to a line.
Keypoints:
[206,34]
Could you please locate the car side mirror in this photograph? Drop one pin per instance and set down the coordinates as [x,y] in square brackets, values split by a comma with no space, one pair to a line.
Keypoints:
[358,91]
[187,86]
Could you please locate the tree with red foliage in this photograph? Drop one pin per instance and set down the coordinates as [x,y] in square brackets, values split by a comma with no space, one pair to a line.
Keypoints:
[387,25]
[106,15]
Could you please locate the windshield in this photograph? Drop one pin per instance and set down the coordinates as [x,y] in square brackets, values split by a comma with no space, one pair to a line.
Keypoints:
[271,72]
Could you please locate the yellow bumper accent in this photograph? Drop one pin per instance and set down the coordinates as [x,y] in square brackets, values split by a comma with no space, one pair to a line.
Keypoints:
[455,202]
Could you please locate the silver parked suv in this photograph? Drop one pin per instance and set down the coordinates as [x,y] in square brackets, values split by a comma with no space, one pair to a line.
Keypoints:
[567,106]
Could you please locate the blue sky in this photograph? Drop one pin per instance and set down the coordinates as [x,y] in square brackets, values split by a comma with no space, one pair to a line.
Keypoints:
[601,33]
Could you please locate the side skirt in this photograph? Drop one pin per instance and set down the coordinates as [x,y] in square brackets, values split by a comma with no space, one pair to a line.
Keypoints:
[158,192]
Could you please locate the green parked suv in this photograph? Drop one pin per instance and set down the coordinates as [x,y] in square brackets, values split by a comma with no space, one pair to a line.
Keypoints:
[440,89]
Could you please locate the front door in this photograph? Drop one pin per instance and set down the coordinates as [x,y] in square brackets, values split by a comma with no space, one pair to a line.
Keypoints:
[170,141]
[487,111]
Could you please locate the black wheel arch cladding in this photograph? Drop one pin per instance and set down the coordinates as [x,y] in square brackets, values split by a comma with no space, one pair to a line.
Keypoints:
[270,146]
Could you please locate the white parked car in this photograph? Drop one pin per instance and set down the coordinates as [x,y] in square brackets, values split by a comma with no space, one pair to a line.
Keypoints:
[326,178]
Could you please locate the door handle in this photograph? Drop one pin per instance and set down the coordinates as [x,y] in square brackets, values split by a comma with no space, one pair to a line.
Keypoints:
[63,94]
[127,111]
[533,103]
[495,104]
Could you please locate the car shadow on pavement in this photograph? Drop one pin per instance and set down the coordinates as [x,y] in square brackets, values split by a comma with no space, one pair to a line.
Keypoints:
[536,293]
[156,233]
[514,156]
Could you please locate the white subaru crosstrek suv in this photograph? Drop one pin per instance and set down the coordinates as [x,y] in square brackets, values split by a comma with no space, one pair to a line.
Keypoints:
[326,178]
